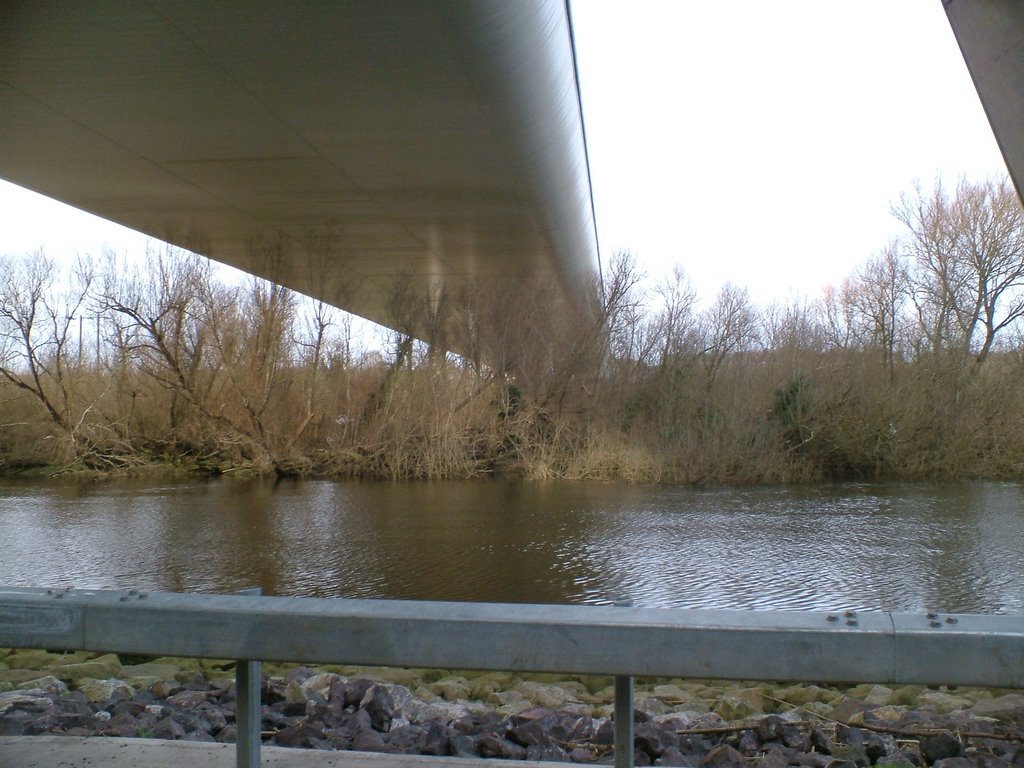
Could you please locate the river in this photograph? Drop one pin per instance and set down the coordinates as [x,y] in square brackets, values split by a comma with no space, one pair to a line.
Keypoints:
[956,548]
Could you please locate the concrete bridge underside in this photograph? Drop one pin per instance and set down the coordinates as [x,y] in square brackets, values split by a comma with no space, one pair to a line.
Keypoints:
[991,37]
[439,140]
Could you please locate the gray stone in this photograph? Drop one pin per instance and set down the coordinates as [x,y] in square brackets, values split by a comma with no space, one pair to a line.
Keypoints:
[35,702]
[943,702]
[1007,708]
[103,690]
[48,684]
[724,756]
[379,705]
[940,747]
[672,756]
[496,746]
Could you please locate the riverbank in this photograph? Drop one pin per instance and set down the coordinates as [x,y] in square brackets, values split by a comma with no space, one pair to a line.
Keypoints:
[499,715]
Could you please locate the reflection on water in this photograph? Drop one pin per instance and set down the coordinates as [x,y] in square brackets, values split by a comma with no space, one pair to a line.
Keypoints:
[869,547]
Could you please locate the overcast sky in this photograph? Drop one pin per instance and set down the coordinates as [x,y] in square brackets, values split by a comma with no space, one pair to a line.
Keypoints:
[763,143]
[752,142]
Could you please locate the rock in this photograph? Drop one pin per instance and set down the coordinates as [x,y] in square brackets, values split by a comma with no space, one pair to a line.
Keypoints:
[673,756]
[316,688]
[355,689]
[723,756]
[551,696]
[379,705]
[653,707]
[293,693]
[18,676]
[451,688]
[165,688]
[821,741]
[141,683]
[198,735]
[874,745]
[774,758]
[813,760]
[547,752]
[462,745]
[653,739]
[496,746]
[122,726]
[818,708]
[907,695]
[940,747]
[748,742]
[871,694]
[48,684]
[166,728]
[943,702]
[955,762]
[100,668]
[844,709]
[302,735]
[753,696]
[887,715]
[484,687]
[151,669]
[798,695]
[672,694]
[369,741]
[208,717]
[1008,708]
[732,709]
[30,702]
[103,690]
[582,755]
[534,726]
[908,754]
[852,754]
[34,660]
[188,699]
[436,739]
[770,728]
[407,739]
[796,738]
[213,666]
[188,669]
[403,699]
[474,725]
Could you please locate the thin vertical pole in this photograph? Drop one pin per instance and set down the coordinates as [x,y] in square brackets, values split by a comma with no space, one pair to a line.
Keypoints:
[247,707]
[624,713]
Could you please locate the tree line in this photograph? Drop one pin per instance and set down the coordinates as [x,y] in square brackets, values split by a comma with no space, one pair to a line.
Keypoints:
[911,369]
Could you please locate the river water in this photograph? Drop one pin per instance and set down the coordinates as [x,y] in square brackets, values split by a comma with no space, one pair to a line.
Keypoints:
[957,548]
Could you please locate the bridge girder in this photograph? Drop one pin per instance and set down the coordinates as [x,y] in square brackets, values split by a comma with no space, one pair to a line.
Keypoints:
[438,141]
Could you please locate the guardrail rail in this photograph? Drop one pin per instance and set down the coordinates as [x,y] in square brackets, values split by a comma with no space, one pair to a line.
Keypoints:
[819,647]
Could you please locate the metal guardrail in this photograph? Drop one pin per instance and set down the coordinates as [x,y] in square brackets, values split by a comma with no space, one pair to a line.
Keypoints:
[927,649]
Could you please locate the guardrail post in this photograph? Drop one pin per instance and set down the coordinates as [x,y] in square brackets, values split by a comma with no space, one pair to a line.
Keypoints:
[247,707]
[624,713]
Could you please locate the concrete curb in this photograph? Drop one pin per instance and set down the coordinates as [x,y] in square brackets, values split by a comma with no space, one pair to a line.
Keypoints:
[81,752]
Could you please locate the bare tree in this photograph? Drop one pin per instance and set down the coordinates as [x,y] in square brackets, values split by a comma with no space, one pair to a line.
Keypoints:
[729,326]
[675,324]
[968,255]
[159,325]
[877,296]
[35,336]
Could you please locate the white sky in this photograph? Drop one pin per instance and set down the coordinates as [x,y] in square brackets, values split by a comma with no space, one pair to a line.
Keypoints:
[753,142]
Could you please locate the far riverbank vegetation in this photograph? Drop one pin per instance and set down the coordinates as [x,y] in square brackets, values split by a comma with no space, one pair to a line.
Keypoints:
[912,369]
